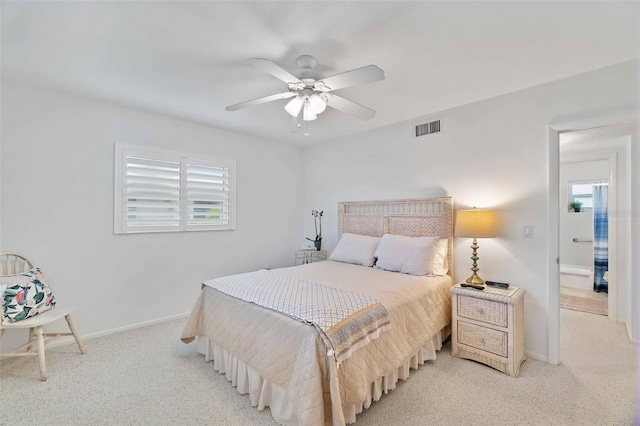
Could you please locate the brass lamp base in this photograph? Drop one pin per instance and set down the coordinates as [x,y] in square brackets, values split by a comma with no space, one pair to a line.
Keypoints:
[474,278]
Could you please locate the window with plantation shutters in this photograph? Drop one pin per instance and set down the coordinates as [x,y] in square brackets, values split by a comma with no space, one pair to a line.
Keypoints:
[162,191]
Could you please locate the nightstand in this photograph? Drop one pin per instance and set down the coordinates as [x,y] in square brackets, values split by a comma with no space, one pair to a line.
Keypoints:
[310,256]
[488,326]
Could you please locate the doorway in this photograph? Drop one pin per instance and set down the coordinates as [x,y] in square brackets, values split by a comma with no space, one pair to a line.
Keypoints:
[584,156]
[626,132]
[583,218]
[619,154]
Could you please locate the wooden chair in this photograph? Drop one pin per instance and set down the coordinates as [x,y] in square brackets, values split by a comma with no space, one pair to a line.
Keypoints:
[14,264]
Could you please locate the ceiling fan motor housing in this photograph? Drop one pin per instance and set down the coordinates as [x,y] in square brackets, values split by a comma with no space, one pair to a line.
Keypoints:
[306,64]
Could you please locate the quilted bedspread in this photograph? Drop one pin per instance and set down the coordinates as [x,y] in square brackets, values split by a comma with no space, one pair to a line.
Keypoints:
[346,319]
[292,354]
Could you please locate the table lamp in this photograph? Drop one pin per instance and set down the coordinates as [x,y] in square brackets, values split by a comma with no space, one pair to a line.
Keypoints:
[475,224]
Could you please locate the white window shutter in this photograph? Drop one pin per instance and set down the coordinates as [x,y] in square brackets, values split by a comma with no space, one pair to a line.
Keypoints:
[158,190]
[152,194]
[208,193]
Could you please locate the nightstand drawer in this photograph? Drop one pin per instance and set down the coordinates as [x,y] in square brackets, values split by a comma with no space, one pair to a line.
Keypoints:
[486,339]
[483,310]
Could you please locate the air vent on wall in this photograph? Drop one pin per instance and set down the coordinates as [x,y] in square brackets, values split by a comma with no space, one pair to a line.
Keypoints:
[427,127]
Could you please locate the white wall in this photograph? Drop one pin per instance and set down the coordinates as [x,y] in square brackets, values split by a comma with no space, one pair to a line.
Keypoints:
[57,207]
[492,153]
[578,224]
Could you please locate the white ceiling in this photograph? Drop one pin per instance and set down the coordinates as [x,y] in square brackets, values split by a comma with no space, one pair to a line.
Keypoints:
[188,59]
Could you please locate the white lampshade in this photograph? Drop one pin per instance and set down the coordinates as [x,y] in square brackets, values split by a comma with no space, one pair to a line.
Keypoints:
[318,104]
[294,105]
[307,112]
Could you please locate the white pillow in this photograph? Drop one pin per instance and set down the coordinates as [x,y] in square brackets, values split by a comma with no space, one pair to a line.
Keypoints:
[440,259]
[356,249]
[408,255]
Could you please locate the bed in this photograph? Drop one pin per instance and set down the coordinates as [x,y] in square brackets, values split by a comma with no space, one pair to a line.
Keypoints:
[289,365]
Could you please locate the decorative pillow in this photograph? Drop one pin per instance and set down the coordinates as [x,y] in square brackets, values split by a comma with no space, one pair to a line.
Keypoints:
[26,295]
[440,259]
[408,255]
[356,249]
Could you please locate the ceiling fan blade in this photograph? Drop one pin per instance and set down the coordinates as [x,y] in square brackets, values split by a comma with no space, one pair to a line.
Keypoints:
[350,107]
[274,70]
[259,101]
[367,74]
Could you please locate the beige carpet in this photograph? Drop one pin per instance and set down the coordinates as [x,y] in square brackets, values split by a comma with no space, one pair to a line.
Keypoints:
[584,301]
[148,377]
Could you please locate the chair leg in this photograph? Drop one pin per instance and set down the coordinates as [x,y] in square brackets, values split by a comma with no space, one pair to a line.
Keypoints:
[75,334]
[41,357]
[32,334]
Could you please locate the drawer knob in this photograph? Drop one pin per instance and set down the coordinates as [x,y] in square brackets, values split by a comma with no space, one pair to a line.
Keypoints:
[481,311]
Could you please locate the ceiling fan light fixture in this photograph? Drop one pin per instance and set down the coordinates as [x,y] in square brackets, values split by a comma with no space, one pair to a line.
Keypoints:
[307,112]
[318,103]
[294,105]
[310,91]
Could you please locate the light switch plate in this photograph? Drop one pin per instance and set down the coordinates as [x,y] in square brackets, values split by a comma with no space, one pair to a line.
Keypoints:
[528,231]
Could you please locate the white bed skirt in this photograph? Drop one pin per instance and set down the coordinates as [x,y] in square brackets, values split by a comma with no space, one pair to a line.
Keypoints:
[263,393]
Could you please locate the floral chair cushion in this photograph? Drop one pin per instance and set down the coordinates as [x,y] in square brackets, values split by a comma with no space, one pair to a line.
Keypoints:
[26,295]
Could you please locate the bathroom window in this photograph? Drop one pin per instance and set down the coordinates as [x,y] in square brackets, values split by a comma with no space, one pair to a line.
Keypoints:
[583,191]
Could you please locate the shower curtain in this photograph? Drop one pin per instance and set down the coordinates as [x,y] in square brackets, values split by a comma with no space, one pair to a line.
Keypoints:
[600,237]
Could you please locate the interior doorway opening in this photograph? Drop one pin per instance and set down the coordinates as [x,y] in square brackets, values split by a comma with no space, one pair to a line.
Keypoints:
[589,145]
[583,220]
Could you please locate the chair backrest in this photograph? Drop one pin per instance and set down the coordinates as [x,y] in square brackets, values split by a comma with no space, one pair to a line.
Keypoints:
[13,263]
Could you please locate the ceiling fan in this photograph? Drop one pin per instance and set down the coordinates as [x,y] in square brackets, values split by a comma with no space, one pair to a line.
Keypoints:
[312,92]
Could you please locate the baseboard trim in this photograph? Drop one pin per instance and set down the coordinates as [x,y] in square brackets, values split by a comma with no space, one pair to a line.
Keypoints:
[67,340]
[134,326]
[537,357]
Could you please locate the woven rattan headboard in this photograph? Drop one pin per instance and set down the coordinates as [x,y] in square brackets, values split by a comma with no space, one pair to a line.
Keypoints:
[429,217]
